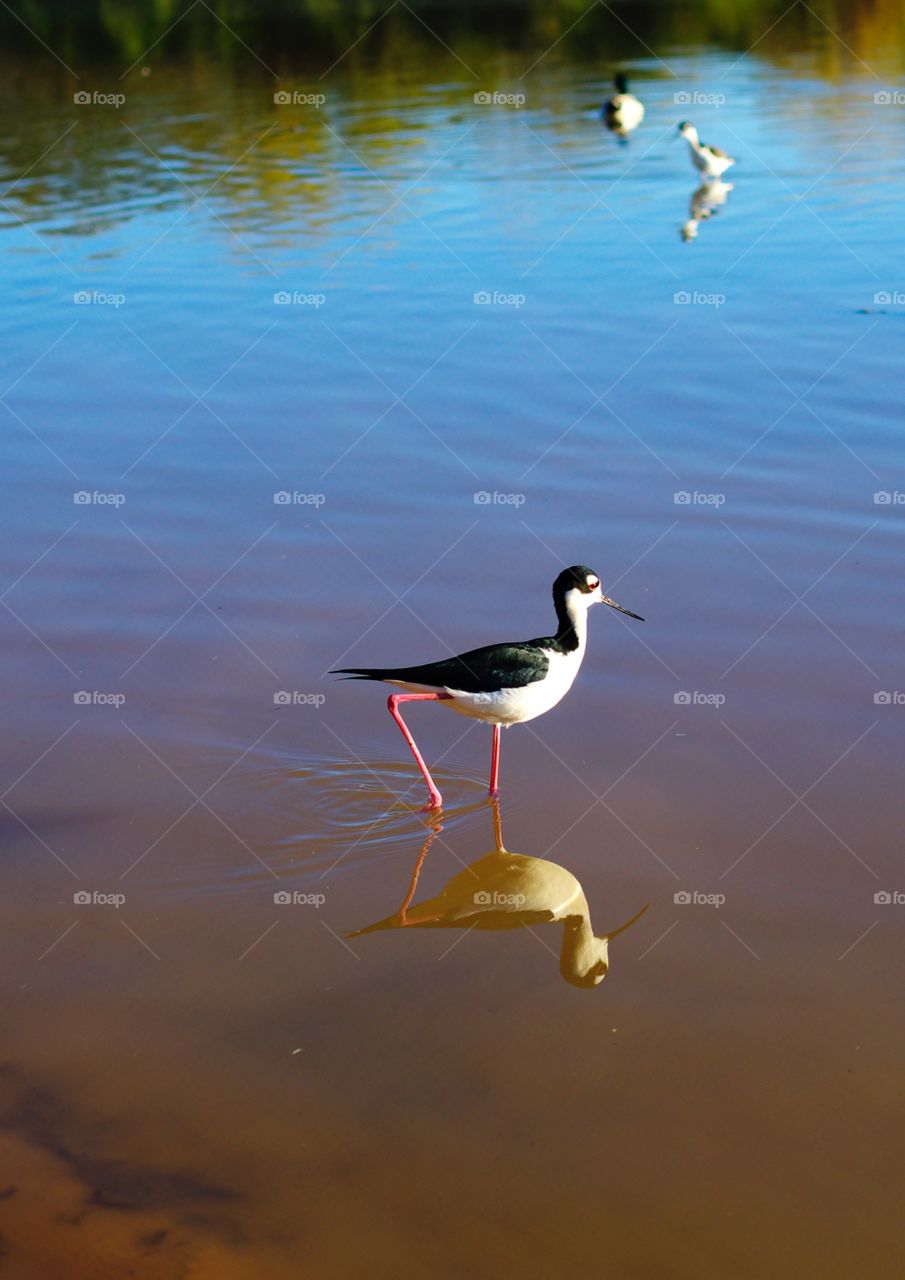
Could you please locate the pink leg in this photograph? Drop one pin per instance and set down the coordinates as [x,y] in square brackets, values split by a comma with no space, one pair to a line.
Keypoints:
[495,762]
[436,800]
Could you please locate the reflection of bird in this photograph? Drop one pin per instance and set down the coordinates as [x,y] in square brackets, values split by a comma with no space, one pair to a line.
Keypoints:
[708,160]
[623,112]
[510,891]
[706,200]
[502,684]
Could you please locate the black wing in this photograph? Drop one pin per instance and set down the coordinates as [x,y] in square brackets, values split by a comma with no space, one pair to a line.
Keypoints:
[485,670]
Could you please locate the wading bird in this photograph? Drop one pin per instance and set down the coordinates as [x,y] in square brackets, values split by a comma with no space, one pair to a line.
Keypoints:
[706,159]
[501,684]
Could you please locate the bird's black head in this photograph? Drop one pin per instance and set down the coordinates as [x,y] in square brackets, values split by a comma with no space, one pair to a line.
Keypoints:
[621,83]
[579,578]
[580,586]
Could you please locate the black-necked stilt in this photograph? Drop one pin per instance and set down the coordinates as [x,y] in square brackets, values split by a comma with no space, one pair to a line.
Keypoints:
[501,684]
[506,891]
[623,112]
[711,161]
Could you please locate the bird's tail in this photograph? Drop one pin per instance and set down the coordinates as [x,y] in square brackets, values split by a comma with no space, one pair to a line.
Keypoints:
[362,673]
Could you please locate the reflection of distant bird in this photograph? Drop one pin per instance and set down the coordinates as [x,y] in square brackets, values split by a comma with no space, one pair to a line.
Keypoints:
[502,684]
[711,161]
[510,891]
[706,200]
[623,112]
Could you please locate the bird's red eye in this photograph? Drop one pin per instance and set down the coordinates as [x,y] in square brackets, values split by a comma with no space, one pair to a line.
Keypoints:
[593,584]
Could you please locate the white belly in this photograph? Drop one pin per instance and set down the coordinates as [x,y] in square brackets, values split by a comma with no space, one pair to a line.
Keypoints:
[514,706]
[710,164]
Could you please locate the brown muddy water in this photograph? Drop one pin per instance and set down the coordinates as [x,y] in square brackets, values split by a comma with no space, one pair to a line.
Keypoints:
[287,386]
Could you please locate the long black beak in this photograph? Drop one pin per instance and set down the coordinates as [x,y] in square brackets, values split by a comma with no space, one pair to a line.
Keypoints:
[628,613]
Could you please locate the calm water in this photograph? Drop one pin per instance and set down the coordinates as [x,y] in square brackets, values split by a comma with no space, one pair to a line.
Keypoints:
[215,495]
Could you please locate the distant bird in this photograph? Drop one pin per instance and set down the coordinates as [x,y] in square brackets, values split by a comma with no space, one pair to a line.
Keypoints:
[501,684]
[711,161]
[623,112]
[511,891]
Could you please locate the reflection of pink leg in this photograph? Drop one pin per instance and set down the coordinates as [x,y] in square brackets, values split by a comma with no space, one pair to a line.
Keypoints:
[436,800]
[495,762]
[497,825]
[413,883]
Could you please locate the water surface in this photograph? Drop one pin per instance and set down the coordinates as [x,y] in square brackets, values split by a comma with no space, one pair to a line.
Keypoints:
[219,494]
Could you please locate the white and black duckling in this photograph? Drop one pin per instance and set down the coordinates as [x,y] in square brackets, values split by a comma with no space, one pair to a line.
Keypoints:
[623,112]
